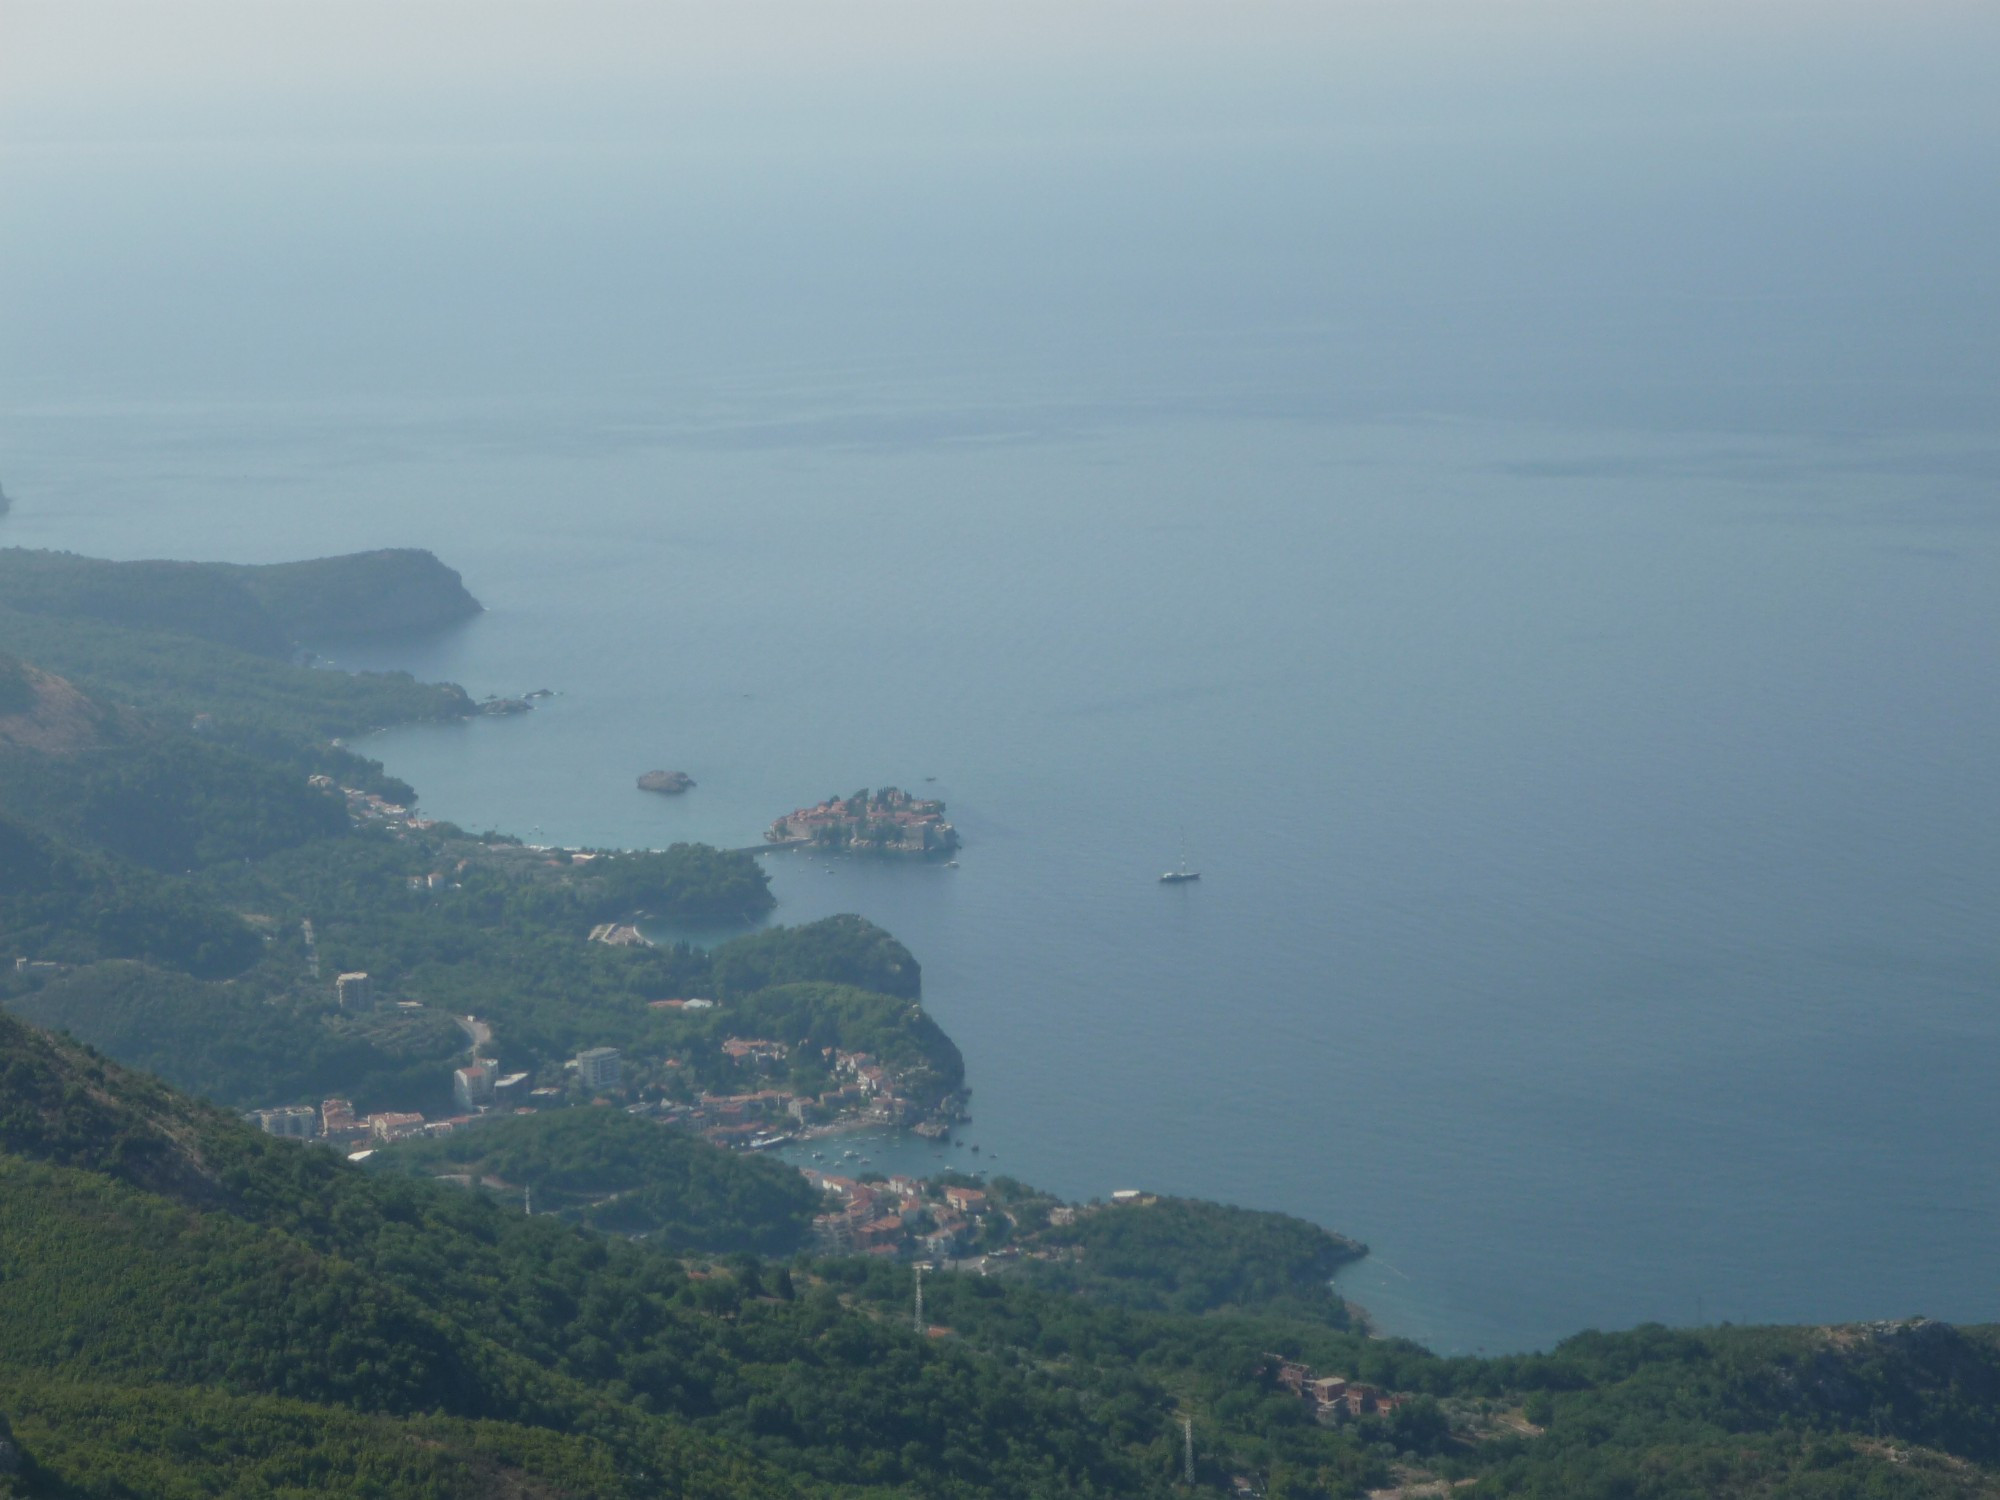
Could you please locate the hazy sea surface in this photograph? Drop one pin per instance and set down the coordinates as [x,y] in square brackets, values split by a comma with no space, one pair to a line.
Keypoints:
[1599,841]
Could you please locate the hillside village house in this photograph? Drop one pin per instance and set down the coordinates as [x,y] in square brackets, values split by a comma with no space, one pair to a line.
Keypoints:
[1333,1397]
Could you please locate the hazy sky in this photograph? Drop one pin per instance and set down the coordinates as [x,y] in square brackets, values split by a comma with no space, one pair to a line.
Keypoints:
[502,73]
[1443,199]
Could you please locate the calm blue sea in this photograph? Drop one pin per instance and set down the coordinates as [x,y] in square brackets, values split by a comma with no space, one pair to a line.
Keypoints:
[1599,837]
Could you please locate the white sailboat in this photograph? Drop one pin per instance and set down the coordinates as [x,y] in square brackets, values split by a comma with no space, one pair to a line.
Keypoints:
[1181,874]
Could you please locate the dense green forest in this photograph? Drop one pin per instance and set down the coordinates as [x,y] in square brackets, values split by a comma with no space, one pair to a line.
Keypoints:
[268,610]
[506,947]
[62,905]
[169,802]
[184,598]
[386,592]
[838,950]
[505,938]
[900,1033]
[497,929]
[264,705]
[17,692]
[606,1168]
[241,1045]
[186,1443]
[1185,1255]
[686,881]
[174,1267]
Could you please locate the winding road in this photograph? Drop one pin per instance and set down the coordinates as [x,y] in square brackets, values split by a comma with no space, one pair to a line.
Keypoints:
[478,1033]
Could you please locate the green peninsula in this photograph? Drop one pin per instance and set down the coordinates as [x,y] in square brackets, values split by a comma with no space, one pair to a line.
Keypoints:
[270,609]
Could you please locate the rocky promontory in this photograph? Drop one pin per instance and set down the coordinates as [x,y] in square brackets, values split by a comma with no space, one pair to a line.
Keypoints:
[387,592]
[672,783]
[269,609]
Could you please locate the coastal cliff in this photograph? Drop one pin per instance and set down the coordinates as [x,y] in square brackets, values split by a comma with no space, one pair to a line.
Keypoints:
[268,610]
[213,647]
[387,592]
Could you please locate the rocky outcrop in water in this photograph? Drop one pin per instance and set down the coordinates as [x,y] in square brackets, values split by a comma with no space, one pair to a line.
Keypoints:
[672,783]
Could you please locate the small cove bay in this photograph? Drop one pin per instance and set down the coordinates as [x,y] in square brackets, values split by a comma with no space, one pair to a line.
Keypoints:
[1598,837]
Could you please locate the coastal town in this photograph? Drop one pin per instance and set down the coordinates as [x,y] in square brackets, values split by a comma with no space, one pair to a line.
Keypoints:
[764,1106]
[735,1091]
[949,1219]
[364,807]
[738,1089]
[896,1217]
[864,1092]
[888,822]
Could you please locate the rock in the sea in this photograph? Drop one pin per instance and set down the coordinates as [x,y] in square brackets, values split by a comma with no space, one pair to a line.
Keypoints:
[671,782]
[505,706]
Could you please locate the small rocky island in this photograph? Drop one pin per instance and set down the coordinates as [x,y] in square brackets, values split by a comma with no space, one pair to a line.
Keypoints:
[671,783]
[889,821]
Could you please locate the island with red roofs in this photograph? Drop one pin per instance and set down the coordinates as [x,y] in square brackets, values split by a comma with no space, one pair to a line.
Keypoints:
[886,822]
